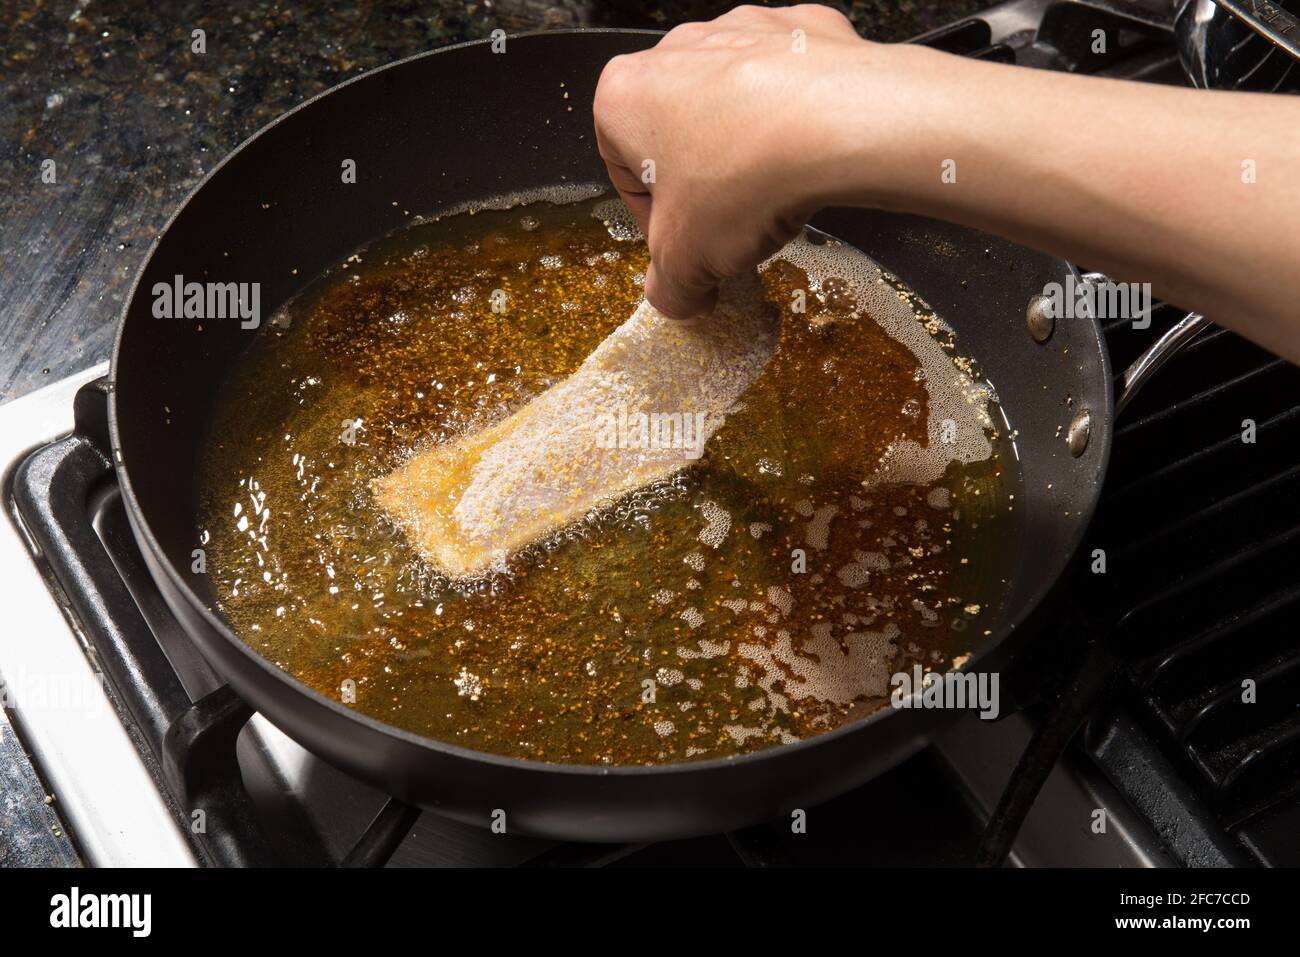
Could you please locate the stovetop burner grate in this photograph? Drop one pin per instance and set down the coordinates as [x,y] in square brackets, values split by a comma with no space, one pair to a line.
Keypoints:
[1201,521]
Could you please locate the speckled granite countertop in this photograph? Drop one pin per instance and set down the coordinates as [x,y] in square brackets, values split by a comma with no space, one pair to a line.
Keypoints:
[133,119]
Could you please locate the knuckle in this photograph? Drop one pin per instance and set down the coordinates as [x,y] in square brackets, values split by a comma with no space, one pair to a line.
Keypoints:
[619,71]
[746,13]
[613,86]
[686,31]
[820,13]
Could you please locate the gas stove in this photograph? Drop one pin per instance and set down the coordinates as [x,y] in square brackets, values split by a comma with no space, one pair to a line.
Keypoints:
[113,723]
[115,737]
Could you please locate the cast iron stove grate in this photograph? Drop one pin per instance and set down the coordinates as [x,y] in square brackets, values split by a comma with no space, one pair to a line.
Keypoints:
[1202,532]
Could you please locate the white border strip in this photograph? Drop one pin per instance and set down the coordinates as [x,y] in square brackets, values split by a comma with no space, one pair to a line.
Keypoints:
[102,787]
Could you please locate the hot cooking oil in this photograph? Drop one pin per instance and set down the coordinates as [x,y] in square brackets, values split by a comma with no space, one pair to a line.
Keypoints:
[854,516]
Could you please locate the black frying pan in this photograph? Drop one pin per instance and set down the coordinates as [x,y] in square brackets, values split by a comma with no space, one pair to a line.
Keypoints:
[466,123]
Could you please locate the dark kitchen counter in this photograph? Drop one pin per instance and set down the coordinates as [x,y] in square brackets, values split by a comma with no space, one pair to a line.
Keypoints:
[133,120]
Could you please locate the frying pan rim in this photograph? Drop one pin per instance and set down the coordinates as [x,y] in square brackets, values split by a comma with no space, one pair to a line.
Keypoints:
[1102,423]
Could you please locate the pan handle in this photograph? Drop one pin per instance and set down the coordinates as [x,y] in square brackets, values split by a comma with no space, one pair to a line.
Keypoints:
[1157,354]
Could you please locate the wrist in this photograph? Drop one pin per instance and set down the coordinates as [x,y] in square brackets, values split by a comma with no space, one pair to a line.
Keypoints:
[887,118]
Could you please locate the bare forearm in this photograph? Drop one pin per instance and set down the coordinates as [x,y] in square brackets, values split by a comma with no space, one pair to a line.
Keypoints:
[1193,191]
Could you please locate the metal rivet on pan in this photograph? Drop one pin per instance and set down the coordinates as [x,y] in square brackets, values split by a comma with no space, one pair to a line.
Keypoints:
[1080,432]
[1039,316]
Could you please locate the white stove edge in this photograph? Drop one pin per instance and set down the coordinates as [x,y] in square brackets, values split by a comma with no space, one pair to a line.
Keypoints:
[102,788]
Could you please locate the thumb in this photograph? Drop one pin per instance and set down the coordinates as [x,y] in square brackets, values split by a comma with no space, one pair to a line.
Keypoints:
[678,298]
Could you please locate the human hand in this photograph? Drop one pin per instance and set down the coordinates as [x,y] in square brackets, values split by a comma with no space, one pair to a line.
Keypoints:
[721,142]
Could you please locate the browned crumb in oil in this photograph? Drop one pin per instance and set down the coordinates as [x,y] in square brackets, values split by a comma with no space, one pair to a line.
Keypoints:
[634,640]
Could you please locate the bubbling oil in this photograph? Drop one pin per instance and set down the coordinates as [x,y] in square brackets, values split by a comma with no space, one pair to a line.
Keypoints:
[852,518]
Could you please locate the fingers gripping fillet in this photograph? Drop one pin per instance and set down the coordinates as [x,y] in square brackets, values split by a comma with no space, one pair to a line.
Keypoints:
[469,504]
